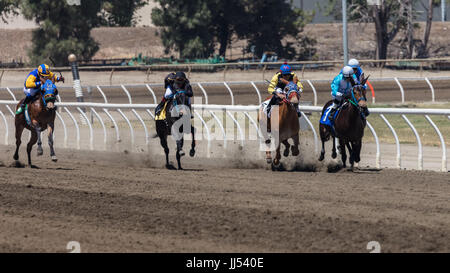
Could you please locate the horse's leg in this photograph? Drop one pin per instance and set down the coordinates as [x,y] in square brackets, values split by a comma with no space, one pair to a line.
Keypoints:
[33,140]
[51,128]
[343,152]
[351,151]
[357,150]
[276,161]
[163,140]
[40,151]
[294,148]
[334,154]
[19,130]
[192,151]
[180,152]
[286,149]
[322,152]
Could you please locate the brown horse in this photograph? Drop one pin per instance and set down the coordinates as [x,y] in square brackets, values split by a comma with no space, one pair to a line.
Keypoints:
[348,126]
[42,116]
[286,128]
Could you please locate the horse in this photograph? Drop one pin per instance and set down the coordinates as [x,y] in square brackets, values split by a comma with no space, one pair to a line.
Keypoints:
[41,117]
[178,109]
[349,126]
[288,125]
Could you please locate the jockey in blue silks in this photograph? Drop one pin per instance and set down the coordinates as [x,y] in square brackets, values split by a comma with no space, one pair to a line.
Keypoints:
[341,87]
[353,63]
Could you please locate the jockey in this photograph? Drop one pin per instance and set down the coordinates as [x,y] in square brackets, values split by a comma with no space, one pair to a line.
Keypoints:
[168,83]
[175,82]
[353,63]
[279,82]
[35,81]
[341,87]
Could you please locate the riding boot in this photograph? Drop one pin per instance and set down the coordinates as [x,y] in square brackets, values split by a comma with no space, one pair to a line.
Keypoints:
[271,102]
[333,111]
[22,106]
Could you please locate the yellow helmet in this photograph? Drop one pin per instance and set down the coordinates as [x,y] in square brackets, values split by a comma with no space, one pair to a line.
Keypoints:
[43,70]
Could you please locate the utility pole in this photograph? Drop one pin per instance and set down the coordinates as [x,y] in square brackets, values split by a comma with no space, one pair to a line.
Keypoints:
[344,31]
[443,15]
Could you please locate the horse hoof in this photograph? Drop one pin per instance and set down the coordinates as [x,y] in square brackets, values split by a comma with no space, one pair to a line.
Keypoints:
[180,168]
[269,160]
[170,167]
[54,158]
[277,167]
[40,152]
[181,153]
[286,153]
[334,155]
[321,157]
[192,153]
[295,152]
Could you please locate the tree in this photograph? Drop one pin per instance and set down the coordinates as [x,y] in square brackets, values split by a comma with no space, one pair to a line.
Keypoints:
[388,18]
[418,48]
[227,20]
[273,23]
[194,28]
[121,12]
[63,29]
[8,7]
[185,27]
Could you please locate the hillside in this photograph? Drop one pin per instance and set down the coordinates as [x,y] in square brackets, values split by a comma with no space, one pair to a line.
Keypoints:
[128,42]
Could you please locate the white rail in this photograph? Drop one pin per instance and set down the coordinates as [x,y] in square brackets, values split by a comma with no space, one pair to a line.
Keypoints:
[228,110]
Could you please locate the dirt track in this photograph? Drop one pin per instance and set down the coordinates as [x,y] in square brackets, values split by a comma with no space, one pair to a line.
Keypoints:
[117,202]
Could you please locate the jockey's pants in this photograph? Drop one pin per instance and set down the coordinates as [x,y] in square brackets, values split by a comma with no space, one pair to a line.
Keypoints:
[30,92]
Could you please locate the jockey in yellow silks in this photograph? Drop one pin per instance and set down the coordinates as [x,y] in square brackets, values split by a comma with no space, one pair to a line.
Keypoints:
[34,81]
[279,82]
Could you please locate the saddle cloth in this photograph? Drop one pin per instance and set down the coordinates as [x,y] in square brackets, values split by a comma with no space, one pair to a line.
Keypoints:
[162,114]
[325,120]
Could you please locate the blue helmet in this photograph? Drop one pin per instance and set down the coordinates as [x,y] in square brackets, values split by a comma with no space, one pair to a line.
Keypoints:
[285,69]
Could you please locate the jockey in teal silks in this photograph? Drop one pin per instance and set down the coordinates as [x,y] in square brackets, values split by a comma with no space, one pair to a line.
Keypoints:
[34,82]
[353,63]
[341,87]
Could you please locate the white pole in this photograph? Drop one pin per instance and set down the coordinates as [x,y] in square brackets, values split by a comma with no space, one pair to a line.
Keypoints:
[443,17]
[344,30]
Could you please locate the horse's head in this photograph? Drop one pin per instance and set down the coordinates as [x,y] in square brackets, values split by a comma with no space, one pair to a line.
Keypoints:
[359,93]
[49,95]
[292,93]
[179,103]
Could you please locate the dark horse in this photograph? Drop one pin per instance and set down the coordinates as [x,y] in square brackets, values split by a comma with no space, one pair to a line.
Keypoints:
[348,126]
[178,114]
[288,125]
[41,116]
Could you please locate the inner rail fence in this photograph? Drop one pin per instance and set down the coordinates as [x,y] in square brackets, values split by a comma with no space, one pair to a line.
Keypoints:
[202,89]
[206,116]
